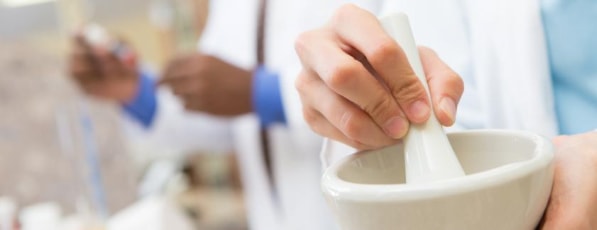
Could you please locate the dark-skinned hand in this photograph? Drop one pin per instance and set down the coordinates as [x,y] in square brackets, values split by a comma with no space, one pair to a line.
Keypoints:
[208,84]
[100,73]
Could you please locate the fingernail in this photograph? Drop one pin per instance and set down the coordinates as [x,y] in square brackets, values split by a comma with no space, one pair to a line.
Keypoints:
[448,107]
[396,127]
[419,110]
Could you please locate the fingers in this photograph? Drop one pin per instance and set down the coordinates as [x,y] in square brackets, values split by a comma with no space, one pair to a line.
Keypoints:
[110,65]
[191,104]
[179,68]
[88,63]
[83,64]
[322,126]
[366,84]
[573,202]
[351,80]
[187,86]
[559,140]
[345,116]
[445,86]
[356,77]
[361,30]
[179,76]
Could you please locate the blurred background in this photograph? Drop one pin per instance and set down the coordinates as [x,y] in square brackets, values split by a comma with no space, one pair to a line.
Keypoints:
[65,159]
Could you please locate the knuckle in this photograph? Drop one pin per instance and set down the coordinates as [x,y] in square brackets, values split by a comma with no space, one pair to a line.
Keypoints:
[386,51]
[299,84]
[343,12]
[302,41]
[342,75]
[353,127]
[309,115]
[379,109]
[450,80]
[352,130]
[313,120]
[302,82]
[305,40]
[349,7]
[409,90]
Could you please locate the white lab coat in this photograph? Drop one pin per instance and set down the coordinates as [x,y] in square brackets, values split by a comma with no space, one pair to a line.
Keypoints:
[175,133]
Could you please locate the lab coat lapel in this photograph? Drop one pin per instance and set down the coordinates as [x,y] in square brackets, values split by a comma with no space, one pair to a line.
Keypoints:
[509,36]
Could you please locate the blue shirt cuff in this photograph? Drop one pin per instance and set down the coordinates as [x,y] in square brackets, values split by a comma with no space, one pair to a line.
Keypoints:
[144,105]
[267,99]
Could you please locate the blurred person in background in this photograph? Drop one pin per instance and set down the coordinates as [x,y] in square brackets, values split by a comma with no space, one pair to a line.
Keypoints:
[241,70]
[528,65]
[116,75]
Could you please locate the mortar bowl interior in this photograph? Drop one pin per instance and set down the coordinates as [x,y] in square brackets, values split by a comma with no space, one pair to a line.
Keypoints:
[507,184]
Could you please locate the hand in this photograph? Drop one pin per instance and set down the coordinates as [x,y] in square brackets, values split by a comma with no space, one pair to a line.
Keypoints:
[573,202]
[100,73]
[208,84]
[357,87]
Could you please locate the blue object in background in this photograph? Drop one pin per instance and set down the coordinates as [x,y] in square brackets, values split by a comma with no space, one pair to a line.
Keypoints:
[267,98]
[571,33]
[144,106]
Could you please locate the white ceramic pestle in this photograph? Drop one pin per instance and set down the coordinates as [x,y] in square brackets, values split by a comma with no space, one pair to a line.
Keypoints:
[428,154]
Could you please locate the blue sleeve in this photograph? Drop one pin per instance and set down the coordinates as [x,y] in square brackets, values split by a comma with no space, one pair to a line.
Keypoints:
[267,99]
[144,105]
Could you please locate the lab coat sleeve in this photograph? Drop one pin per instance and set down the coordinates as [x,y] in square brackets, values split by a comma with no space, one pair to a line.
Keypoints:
[157,124]
[176,131]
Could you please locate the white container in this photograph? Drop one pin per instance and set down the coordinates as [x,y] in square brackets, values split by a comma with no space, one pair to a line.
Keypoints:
[507,185]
